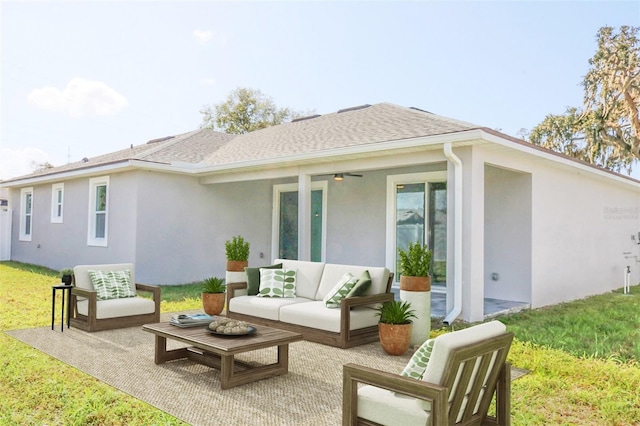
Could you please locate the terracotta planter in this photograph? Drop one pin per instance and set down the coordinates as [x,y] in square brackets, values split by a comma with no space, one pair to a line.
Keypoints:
[408,283]
[394,338]
[237,265]
[213,303]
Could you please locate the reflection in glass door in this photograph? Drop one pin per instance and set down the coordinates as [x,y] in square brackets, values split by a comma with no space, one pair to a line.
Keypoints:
[288,229]
[438,232]
[421,217]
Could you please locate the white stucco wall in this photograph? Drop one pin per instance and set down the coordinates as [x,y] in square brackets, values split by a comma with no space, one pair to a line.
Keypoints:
[507,235]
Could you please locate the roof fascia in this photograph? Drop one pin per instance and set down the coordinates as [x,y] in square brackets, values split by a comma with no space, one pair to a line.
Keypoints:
[556,157]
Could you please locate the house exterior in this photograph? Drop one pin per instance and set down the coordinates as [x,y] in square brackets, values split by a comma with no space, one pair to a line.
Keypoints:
[506,220]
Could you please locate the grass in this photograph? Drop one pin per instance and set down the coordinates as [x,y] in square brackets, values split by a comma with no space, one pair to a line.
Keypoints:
[582,356]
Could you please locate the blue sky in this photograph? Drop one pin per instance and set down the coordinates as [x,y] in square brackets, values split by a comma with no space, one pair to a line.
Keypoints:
[79,79]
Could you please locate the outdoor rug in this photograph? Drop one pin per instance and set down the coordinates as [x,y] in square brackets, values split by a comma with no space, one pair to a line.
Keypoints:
[310,394]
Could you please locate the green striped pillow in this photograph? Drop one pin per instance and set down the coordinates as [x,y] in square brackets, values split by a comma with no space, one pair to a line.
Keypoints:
[340,291]
[112,284]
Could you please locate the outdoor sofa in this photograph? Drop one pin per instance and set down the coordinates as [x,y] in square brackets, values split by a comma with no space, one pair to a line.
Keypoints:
[350,322]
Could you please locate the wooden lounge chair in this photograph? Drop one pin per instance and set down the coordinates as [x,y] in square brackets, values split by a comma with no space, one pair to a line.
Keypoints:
[92,314]
[464,372]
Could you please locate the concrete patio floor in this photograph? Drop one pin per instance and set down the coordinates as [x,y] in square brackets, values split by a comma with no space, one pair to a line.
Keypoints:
[492,307]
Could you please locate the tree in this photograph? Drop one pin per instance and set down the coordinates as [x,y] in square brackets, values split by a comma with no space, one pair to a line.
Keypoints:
[245,110]
[606,132]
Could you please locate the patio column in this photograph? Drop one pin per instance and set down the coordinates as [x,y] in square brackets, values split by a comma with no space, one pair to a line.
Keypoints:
[304,217]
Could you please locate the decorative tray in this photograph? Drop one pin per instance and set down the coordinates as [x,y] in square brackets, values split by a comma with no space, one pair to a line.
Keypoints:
[250,330]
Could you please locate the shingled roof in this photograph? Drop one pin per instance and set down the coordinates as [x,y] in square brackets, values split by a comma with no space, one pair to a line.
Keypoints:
[366,124]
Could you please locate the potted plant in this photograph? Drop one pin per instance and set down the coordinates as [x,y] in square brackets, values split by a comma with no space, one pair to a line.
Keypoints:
[213,295]
[415,267]
[415,287]
[66,275]
[237,252]
[395,325]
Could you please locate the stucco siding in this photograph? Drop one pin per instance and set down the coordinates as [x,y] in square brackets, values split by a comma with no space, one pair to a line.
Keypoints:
[578,238]
[59,245]
[507,236]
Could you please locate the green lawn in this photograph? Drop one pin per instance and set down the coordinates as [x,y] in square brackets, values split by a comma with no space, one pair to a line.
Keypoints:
[583,357]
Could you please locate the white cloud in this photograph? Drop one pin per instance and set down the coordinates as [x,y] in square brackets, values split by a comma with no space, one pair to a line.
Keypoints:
[80,98]
[18,162]
[208,81]
[203,36]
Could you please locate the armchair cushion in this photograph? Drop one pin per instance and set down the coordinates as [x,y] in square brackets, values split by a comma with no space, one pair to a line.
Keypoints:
[277,283]
[112,284]
[391,408]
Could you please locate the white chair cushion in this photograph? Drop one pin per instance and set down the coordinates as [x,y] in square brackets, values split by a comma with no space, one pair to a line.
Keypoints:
[263,307]
[333,272]
[315,314]
[444,343]
[307,276]
[82,279]
[114,308]
[389,408]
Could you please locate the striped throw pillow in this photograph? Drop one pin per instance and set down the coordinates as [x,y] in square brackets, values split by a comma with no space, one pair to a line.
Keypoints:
[112,284]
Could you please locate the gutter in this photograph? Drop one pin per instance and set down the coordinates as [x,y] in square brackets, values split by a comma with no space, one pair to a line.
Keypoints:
[457,236]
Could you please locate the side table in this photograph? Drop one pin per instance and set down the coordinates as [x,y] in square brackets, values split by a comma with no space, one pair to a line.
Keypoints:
[66,289]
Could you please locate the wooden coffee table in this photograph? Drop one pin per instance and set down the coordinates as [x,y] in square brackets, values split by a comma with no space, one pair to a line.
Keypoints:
[219,351]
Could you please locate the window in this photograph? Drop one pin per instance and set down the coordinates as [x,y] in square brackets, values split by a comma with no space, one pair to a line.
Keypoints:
[26,214]
[98,211]
[285,220]
[57,199]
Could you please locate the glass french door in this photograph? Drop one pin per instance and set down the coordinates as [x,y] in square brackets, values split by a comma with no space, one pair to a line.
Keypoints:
[420,210]
[288,225]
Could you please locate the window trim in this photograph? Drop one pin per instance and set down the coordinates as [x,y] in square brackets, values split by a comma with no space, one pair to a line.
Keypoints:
[92,240]
[23,214]
[55,189]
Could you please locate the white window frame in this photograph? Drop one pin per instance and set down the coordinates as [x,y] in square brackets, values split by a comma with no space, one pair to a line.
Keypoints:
[392,182]
[57,203]
[275,222]
[26,217]
[92,240]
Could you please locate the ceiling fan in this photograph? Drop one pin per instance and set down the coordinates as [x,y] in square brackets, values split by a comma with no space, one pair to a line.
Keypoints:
[340,176]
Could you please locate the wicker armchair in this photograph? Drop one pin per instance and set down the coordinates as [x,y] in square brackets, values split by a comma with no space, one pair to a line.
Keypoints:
[467,368]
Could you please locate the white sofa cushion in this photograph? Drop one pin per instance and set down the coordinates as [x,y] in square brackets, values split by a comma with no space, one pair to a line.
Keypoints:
[333,271]
[263,307]
[390,408]
[315,314]
[307,276]
[114,308]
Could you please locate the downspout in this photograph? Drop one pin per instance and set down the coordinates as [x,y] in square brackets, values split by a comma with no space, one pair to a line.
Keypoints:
[457,235]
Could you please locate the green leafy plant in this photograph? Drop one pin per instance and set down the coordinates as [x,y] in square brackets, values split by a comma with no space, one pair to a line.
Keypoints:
[213,285]
[395,312]
[66,271]
[237,249]
[415,261]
